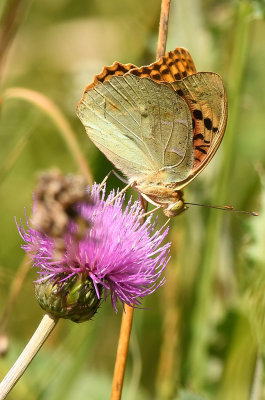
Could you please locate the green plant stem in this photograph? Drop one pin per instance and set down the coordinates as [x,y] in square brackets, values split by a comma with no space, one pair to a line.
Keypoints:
[197,357]
[168,364]
[237,379]
[60,121]
[44,329]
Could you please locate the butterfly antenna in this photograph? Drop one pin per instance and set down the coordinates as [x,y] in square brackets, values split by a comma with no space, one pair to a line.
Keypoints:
[224,208]
[114,173]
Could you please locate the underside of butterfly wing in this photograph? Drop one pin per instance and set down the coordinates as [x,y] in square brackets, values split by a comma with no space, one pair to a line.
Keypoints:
[142,127]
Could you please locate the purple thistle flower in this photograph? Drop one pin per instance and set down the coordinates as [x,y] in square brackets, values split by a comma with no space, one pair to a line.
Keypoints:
[115,251]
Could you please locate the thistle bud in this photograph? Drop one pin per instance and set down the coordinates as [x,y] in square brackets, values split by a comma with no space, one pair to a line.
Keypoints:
[73,298]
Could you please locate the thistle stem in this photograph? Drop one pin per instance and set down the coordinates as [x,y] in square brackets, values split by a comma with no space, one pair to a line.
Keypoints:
[44,329]
[122,351]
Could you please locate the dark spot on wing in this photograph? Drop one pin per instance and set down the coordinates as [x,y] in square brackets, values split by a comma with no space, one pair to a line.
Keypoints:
[201,149]
[197,114]
[136,73]
[111,72]
[208,123]
[122,68]
[180,93]
[156,67]
[155,76]
[198,136]
[165,71]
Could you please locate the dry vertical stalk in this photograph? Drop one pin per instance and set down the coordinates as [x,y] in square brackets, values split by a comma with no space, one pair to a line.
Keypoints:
[13,295]
[127,317]
[11,19]
[50,109]
[163,28]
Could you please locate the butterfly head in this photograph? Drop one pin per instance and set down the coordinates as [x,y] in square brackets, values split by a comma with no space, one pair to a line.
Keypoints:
[175,209]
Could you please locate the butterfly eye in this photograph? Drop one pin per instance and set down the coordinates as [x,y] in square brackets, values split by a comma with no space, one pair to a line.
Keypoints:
[175,209]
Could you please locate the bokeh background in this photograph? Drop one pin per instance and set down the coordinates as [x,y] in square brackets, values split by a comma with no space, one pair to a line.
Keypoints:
[201,336]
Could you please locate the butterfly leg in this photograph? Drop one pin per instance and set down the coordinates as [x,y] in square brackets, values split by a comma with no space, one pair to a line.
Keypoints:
[167,222]
[120,193]
[150,212]
[105,179]
[149,200]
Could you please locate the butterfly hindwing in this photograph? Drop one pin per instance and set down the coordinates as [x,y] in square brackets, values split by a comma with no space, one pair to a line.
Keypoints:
[205,95]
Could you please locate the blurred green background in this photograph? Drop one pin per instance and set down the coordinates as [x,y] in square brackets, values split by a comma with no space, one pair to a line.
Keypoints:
[201,336]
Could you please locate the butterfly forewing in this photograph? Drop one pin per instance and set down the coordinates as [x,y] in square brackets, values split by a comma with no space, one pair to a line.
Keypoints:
[141,126]
[175,65]
[116,69]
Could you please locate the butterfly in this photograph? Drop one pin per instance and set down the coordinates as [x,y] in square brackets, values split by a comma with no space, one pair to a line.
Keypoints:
[159,124]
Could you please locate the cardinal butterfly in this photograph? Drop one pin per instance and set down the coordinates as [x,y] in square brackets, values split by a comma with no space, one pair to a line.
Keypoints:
[160,124]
